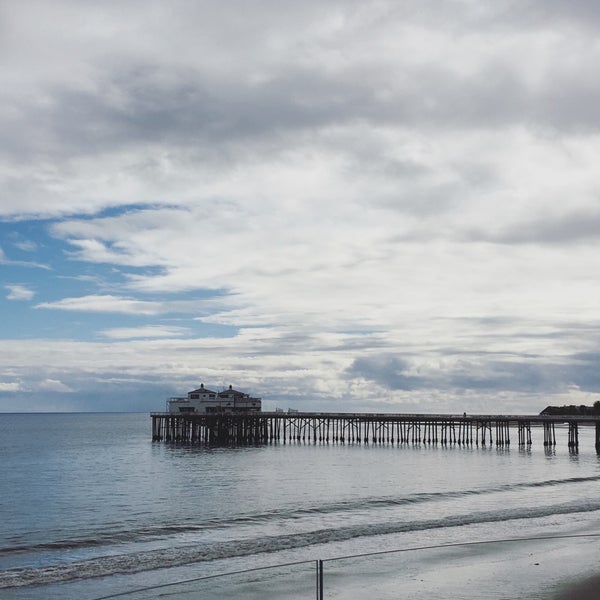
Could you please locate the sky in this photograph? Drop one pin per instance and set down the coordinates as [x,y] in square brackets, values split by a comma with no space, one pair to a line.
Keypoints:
[383,206]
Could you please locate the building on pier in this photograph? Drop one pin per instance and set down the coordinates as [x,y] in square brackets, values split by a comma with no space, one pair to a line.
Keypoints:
[203,401]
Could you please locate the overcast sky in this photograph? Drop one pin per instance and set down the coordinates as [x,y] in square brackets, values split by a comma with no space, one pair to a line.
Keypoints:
[381,206]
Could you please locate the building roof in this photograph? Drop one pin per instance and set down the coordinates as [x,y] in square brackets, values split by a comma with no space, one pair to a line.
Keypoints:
[231,391]
[202,390]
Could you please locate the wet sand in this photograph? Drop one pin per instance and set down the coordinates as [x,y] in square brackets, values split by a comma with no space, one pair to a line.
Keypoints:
[585,590]
[538,570]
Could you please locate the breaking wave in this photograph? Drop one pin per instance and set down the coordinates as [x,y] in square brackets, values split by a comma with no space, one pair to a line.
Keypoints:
[178,555]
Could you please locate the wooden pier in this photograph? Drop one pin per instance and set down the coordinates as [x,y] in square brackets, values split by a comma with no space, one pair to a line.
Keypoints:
[232,429]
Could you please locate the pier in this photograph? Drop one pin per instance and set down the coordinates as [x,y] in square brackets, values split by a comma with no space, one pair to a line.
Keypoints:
[231,429]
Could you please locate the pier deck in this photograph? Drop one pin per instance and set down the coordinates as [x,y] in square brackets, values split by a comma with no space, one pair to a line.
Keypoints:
[226,429]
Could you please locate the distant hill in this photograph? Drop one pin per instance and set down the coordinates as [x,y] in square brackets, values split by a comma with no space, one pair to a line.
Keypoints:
[572,409]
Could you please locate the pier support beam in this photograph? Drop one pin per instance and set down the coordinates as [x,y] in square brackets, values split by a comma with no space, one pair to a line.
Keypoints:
[549,434]
[573,435]
[502,433]
[524,433]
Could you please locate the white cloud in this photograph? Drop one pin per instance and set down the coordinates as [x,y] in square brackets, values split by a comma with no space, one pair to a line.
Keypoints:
[106,304]
[26,245]
[10,386]
[21,263]
[151,331]
[19,292]
[52,385]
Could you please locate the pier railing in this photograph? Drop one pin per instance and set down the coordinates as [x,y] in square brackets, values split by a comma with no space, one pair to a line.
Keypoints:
[468,570]
[229,429]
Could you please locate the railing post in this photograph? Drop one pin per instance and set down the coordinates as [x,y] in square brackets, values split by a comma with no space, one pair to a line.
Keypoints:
[319,565]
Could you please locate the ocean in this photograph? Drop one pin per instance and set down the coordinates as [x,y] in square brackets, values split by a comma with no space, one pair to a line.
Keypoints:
[90,508]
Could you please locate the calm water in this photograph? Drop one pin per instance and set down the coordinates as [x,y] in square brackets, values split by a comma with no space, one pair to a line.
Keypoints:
[90,506]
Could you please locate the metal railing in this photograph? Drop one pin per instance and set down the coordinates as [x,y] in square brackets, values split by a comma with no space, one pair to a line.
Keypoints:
[338,576]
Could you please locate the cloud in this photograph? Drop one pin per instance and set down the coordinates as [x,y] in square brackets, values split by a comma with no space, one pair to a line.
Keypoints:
[53,385]
[21,263]
[151,331]
[26,245]
[559,229]
[355,202]
[19,292]
[391,372]
[10,386]
[105,303]
[481,374]
[157,124]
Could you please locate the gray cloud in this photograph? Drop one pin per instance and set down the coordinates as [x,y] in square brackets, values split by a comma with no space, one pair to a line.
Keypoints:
[388,371]
[571,227]
[483,374]
[195,110]
[581,12]
[148,98]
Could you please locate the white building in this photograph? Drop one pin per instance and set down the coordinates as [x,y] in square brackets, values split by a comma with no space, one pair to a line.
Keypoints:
[204,400]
